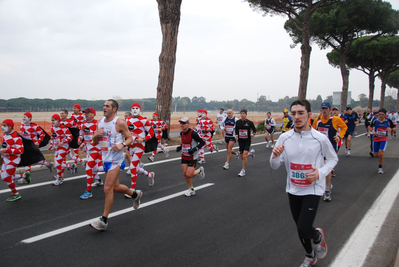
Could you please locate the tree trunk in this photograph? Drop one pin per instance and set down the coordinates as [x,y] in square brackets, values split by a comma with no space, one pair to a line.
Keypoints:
[345,81]
[305,58]
[397,100]
[371,89]
[383,87]
[169,15]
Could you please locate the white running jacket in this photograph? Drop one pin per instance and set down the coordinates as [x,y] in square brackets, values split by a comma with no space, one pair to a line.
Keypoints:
[301,152]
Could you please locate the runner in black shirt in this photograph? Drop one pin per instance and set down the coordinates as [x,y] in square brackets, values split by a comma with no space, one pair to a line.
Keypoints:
[243,135]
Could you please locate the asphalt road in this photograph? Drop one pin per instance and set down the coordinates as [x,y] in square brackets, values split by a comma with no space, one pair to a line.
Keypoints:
[231,221]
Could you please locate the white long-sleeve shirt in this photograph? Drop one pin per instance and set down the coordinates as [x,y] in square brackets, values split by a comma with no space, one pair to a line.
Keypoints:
[301,152]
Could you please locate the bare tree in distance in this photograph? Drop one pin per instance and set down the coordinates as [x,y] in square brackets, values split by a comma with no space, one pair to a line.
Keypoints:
[169,16]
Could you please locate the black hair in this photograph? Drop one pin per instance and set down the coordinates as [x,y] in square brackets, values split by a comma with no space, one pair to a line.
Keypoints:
[244,110]
[269,113]
[65,111]
[114,104]
[382,110]
[304,103]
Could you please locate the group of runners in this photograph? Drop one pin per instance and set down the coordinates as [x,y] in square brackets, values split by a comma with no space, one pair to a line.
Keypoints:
[307,147]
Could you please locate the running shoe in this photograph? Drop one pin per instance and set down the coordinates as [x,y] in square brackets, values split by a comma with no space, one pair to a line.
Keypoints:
[14,197]
[327,196]
[242,173]
[252,153]
[151,159]
[371,154]
[21,181]
[346,151]
[202,172]
[226,166]
[27,177]
[98,182]
[128,172]
[99,224]
[166,153]
[221,142]
[189,193]
[136,201]
[151,179]
[321,248]
[237,156]
[267,144]
[349,152]
[86,195]
[50,166]
[73,169]
[309,261]
[58,182]
[127,196]
[380,171]
[272,145]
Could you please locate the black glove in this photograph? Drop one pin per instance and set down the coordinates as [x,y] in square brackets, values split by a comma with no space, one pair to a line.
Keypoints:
[193,150]
[178,149]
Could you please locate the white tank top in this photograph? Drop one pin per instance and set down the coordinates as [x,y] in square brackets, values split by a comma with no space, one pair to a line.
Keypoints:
[110,138]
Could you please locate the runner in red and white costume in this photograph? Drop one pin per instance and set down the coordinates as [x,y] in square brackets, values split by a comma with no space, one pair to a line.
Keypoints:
[11,151]
[158,126]
[69,123]
[93,152]
[32,131]
[60,137]
[141,131]
[79,118]
[197,128]
[207,128]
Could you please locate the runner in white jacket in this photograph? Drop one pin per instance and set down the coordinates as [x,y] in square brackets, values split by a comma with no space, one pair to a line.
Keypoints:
[309,157]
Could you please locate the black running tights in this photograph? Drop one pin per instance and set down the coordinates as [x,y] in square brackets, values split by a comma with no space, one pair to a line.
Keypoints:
[304,209]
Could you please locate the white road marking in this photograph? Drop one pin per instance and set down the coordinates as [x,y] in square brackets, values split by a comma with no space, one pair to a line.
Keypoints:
[356,249]
[111,215]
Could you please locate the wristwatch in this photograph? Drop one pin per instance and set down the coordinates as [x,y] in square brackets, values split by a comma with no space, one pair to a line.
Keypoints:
[124,145]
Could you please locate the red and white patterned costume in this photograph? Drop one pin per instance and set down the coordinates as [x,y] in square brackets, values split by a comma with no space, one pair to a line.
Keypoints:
[93,157]
[158,126]
[60,134]
[207,128]
[11,158]
[70,123]
[33,132]
[197,128]
[138,127]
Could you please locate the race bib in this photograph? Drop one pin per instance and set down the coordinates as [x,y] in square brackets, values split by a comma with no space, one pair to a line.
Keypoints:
[268,126]
[323,130]
[88,137]
[229,129]
[381,132]
[243,134]
[184,149]
[103,141]
[56,141]
[297,174]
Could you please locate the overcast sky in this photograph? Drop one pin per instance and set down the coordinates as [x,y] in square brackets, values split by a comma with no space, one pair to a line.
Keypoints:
[99,49]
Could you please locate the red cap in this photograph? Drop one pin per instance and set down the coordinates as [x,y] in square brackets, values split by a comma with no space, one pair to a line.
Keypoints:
[56,116]
[89,110]
[28,114]
[136,105]
[76,106]
[155,114]
[204,111]
[199,111]
[9,123]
